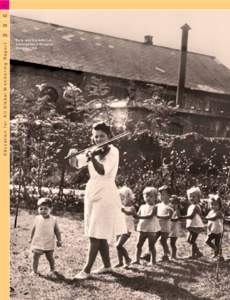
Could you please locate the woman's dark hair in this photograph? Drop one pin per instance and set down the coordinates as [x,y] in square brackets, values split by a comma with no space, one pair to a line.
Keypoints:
[103,127]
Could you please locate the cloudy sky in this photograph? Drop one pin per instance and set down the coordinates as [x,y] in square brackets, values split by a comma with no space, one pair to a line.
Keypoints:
[209,34]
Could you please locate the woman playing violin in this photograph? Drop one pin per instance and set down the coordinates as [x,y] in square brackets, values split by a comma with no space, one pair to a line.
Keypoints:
[102,214]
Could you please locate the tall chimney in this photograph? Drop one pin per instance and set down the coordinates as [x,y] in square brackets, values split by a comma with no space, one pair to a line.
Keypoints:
[182,70]
[148,40]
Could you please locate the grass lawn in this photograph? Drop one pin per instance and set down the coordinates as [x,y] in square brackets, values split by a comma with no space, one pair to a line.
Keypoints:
[181,279]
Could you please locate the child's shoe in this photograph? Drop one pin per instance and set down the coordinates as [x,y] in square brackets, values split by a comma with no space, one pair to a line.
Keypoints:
[199,254]
[103,270]
[136,262]
[52,274]
[127,264]
[119,265]
[164,258]
[151,264]
[146,257]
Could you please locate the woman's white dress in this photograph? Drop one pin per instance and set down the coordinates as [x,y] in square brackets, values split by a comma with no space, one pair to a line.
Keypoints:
[103,216]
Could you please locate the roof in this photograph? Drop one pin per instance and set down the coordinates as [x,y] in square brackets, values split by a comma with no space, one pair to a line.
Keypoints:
[72,49]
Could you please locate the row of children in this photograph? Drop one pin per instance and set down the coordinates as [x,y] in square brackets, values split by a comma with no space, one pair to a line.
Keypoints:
[155,220]
[162,220]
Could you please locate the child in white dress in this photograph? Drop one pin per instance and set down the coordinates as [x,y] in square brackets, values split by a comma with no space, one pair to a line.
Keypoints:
[194,223]
[175,225]
[43,233]
[215,226]
[148,224]
[164,214]
[127,199]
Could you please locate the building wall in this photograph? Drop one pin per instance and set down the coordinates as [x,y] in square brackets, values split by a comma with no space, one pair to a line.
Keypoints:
[206,113]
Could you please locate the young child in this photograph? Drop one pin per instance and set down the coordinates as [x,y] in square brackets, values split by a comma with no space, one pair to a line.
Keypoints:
[215,225]
[164,214]
[127,198]
[148,224]
[194,222]
[175,225]
[43,233]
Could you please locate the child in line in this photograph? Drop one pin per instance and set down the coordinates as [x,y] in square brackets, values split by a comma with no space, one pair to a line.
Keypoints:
[43,233]
[164,214]
[127,199]
[175,225]
[215,226]
[148,224]
[194,222]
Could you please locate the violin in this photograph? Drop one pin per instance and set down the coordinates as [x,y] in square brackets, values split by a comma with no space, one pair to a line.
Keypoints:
[101,151]
[98,147]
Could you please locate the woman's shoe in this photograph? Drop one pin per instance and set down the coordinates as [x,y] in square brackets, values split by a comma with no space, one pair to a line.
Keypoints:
[82,275]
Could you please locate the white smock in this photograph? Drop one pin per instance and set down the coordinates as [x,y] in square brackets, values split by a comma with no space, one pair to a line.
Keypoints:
[214,226]
[147,225]
[103,216]
[196,221]
[44,235]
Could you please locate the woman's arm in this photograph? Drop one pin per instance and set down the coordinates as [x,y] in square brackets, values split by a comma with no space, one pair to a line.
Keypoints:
[97,166]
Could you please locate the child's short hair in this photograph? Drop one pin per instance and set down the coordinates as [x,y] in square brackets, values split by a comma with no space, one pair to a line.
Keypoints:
[126,192]
[150,190]
[194,191]
[44,201]
[216,199]
[174,199]
[164,188]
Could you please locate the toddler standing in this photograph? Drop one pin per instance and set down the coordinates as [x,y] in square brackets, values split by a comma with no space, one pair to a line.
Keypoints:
[194,222]
[127,199]
[43,233]
[148,224]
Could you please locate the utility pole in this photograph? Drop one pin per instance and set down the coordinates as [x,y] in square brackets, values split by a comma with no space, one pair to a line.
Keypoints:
[182,69]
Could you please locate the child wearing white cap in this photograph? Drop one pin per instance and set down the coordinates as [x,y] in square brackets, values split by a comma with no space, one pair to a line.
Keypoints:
[43,233]
[194,223]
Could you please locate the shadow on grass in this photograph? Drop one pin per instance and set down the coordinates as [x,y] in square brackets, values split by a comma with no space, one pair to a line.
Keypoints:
[189,267]
[163,289]
[60,278]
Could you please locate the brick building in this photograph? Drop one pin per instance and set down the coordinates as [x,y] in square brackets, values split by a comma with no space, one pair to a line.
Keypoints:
[43,52]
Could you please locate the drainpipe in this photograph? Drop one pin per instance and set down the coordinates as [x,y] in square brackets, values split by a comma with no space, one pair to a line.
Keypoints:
[182,70]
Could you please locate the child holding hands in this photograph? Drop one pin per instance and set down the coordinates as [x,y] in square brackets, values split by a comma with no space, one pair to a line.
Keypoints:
[148,224]
[194,222]
[164,214]
[43,233]
[175,225]
[215,225]
[127,198]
